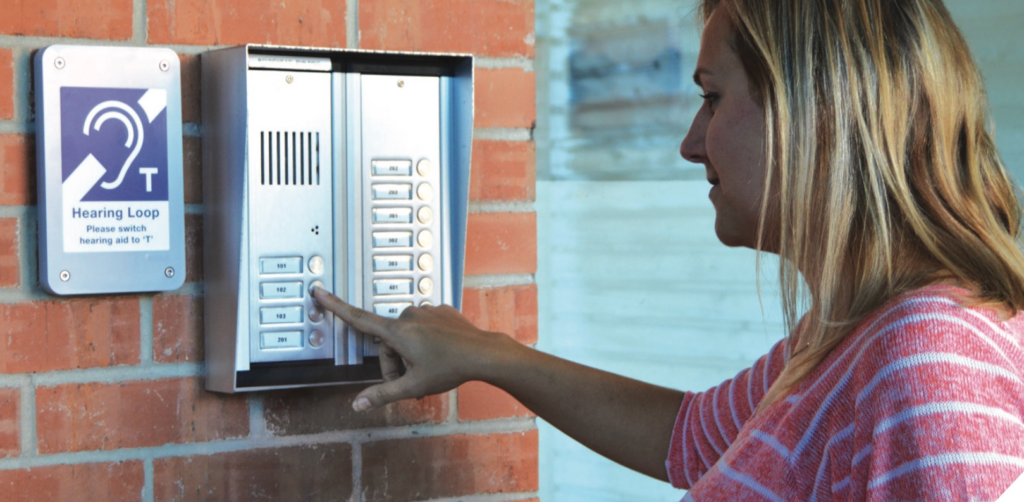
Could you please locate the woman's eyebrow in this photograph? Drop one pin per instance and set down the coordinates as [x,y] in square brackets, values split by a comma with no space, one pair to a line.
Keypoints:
[700,71]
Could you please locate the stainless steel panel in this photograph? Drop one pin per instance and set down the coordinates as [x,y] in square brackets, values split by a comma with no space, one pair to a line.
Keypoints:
[291,189]
[366,137]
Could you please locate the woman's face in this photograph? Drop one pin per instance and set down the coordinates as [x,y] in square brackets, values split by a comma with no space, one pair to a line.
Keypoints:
[728,136]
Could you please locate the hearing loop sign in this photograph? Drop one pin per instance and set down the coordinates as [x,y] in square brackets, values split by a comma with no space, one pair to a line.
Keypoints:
[115,173]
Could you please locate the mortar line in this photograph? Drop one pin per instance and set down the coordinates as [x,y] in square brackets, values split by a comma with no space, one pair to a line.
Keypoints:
[257,420]
[146,329]
[17,127]
[498,281]
[352,24]
[493,63]
[356,438]
[522,206]
[488,497]
[29,447]
[140,25]
[22,84]
[22,42]
[357,473]
[503,133]
[111,375]
[147,484]
[453,407]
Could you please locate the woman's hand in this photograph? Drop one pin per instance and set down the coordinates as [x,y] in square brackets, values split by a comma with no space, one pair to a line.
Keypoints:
[438,347]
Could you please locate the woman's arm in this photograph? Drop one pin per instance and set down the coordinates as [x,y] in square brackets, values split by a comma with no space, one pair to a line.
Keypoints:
[623,419]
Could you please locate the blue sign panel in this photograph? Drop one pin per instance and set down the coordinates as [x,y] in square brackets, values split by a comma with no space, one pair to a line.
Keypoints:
[114,169]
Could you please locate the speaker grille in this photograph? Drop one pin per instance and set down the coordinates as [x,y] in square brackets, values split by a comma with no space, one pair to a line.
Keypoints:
[289,158]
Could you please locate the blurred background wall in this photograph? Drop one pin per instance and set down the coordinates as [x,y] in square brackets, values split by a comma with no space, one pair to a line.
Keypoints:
[631,276]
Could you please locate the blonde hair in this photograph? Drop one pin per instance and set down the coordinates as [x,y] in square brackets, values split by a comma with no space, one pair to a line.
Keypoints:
[882,176]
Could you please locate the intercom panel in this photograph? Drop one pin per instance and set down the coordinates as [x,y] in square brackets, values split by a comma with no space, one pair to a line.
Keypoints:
[346,170]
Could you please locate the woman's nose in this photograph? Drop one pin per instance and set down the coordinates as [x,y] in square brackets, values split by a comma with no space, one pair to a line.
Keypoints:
[692,148]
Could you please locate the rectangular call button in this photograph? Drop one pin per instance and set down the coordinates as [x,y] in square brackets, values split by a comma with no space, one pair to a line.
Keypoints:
[281,340]
[392,192]
[392,239]
[392,287]
[281,315]
[392,310]
[392,263]
[391,167]
[392,215]
[278,290]
[281,265]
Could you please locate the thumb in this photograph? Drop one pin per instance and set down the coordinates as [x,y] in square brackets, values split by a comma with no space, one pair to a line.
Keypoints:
[384,393]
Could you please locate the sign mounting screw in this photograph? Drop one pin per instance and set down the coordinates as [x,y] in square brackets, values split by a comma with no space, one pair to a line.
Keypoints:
[289,79]
[169,272]
[401,83]
[59,63]
[65,275]
[164,65]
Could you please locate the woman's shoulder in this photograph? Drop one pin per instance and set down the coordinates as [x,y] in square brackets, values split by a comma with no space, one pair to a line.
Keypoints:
[936,317]
[936,336]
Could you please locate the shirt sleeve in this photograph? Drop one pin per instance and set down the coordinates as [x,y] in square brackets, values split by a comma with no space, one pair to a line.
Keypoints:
[708,422]
[939,413]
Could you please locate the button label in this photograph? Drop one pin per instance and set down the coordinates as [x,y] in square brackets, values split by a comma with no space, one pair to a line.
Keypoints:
[392,215]
[281,315]
[391,167]
[392,239]
[392,310]
[392,263]
[281,265]
[392,192]
[281,340]
[382,287]
[278,290]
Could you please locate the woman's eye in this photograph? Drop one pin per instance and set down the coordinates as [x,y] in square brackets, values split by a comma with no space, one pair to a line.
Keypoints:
[710,98]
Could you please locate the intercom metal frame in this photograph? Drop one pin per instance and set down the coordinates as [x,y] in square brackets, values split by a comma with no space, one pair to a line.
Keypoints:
[229,80]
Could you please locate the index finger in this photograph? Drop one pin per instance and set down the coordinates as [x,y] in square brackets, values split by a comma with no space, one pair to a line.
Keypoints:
[364,321]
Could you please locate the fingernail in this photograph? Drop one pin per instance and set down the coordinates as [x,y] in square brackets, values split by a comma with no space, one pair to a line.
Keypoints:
[361,404]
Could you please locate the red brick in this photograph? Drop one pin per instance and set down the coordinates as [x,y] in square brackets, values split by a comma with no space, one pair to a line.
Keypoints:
[10,269]
[321,472]
[326,409]
[497,28]
[229,22]
[177,328]
[17,170]
[501,243]
[10,432]
[107,482]
[96,19]
[503,171]
[6,84]
[191,89]
[505,97]
[511,310]
[480,401]
[193,247]
[102,416]
[70,334]
[449,466]
[192,169]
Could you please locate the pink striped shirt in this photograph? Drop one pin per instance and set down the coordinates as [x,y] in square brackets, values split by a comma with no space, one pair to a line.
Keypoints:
[923,401]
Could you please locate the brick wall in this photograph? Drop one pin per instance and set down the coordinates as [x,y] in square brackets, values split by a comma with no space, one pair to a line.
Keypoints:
[101,398]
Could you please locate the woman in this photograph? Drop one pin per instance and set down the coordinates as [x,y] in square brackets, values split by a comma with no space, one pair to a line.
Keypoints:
[847,136]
